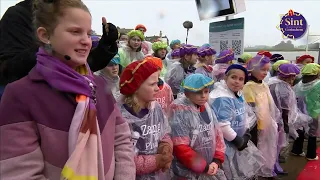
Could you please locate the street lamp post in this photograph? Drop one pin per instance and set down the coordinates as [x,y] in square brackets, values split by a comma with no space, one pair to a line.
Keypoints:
[188,25]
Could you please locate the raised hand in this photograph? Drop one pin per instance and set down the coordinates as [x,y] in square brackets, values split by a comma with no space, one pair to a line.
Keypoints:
[110,32]
[105,25]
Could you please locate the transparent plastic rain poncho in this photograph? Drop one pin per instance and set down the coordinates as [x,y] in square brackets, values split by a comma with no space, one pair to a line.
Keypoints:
[309,94]
[267,78]
[202,69]
[127,55]
[285,98]
[219,70]
[146,134]
[170,63]
[205,138]
[233,111]
[259,98]
[111,85]
[164,70]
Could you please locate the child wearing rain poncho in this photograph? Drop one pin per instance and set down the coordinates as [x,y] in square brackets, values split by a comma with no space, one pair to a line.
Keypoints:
[57,122]
[197,140]
[175,57]
[301,62]
[222,62]
[274,69]
[174,45]
[160,51]
[308,91]
[110,75]
[179,70]
[269,55]
[132,51]
[148,125]
[242,158]
[205,62]
[257,95]
[285,99]
[146,46]
[273,59]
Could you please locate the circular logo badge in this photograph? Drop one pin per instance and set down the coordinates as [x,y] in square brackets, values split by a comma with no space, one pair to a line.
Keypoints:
[293,25]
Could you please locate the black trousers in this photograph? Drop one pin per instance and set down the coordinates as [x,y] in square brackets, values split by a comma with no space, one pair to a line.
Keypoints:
[254,135]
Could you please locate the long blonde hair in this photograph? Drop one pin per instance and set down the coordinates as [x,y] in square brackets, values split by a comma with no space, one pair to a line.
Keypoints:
[133,102]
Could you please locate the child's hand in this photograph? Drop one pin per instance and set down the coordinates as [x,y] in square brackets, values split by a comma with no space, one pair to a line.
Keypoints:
[168,165]
[213,168]
[164,148]
[162,161]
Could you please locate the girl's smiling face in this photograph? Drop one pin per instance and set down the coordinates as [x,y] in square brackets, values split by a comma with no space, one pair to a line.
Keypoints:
[235,80]
[71,36]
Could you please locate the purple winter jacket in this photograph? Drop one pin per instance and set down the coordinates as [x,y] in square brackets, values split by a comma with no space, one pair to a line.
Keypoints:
[34,125]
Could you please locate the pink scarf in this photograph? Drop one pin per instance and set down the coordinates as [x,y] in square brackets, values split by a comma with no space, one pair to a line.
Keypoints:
[85,149]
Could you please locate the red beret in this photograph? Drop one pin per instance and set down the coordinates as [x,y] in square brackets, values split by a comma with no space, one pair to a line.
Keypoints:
[141,26]
[304,57]
[135,74]
[265,53]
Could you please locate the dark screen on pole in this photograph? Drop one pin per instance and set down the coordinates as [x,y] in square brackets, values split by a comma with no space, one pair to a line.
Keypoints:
[209,9]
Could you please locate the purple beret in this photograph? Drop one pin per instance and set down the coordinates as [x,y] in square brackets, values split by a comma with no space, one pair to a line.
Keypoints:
[240,67]
[257,62]
[95,41]
[188,50]
[286,70]
[225,57]
[206,51]
[276,57]
[175,53]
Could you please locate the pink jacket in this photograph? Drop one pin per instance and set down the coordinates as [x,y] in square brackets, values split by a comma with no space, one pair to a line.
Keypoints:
[34,125]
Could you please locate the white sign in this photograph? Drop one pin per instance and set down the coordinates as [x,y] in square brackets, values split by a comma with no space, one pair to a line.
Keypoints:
[227,34]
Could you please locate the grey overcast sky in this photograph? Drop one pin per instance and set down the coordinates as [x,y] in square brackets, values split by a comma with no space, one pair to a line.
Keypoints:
[261,18]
